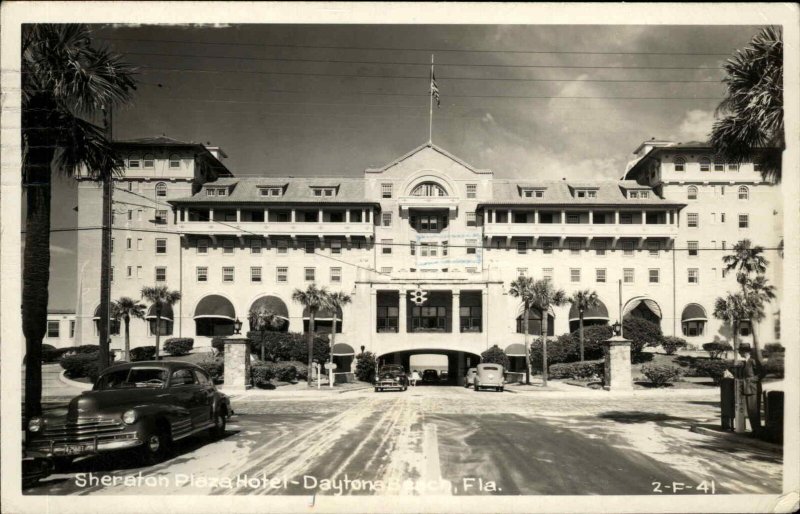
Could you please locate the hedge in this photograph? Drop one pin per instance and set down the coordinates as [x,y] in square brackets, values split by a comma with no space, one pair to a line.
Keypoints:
[712,368]
[288,346]
[143,353]
[178,346]
[578,370]
[52,354]
[641,333]
[661,375]
[775,365]
[559,350]
[214,367]
[218,343]
[81,365]
[773,348]
[262,374]
[593,337]
[717,348]
[495,355]
[673,344]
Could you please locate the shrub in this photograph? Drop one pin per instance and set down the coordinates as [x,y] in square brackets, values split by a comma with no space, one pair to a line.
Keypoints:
[495,355]
[774,365]
[712,368]
[218,343]
[262,374]
[143,353]
[365,367]
[52,354]
[717,348]
[81,365]
[773,348]
[673,344]
[593,337]
[578,370]
[661,375]
[214,367]
[178,345]
[288,346]
[302,370]
[284,371]
[84,348]
[641,333]
[561,349]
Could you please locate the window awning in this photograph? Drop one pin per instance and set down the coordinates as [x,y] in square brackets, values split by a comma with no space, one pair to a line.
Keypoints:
[215,306]
[324,314]
[272,304]
[650,304]
[343,349]
[598,312]
[166,312]
[515,350]
[694,312]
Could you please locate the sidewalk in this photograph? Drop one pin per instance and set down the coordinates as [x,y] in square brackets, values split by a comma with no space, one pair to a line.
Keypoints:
[740,439]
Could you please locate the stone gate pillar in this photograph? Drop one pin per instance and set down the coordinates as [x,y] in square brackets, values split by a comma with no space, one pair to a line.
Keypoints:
[237,363]
[617,364]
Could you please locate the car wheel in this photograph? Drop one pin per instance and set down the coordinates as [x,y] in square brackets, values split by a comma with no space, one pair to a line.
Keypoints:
[502,389]
[156,445]
[218,430]
[476,387]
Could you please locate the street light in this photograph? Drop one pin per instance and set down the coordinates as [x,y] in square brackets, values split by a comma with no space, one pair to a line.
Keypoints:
[616,327]
[237,326]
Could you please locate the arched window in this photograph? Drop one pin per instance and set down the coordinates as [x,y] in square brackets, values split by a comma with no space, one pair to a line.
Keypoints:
[134,162]
[680,163]
[174,161]
[161,189]
[691,193]
[429,189]
[149,162]
[705,164]
[693,320]
[535,323]
[744,193]
[719,163]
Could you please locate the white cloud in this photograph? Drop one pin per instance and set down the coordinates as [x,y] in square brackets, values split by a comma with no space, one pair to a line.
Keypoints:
[696,125]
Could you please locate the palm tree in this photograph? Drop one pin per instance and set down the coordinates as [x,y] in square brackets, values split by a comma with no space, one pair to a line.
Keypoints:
[336,301]
[160,296]
[522,288]
[583,300]
[758,292]
[731,309]
[64,80]
[753,106]
[127,308]
[263,318]
[313,298]
[545,295]
[748,260]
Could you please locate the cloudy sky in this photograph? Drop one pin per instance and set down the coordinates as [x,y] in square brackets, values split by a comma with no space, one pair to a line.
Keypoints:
[524,101]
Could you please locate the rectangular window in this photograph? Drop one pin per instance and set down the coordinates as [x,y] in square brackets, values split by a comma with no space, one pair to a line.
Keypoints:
[625,218]
[627,247]
[653,275]
[573,218]
[386,246]
[574,247]
[336,275]
[724,245]
[138,214]
[161,274]
[719,166]
[522,247]
[472,190]
[111,274]
[387,319]
[174,161]
[128,243]
[129,271]
[138,272]
[692,220]
[72,329]
[336,246]
[471,270]
[227,246]
[722,217]
[627,275]
[161,216]
[693,275]
[547,247]
[744,220]
[386,219]
[633,194]
[130,215]
[539,193]
[222,192]
[310,274]
[692,247]
[386,270]
[471,245]
[211,192]
[644,194]
[472,219]
[386,190]
[112,245]
[281,274]
[600,247]
[161,246]
[547,274]
[520,217]
[521,272]
[412,248]
[575,275]
[429,249]
[310,246]
[227,274]
[600,275]
[255,274]
[255,245]
[53,329]
[444,248]
[283,246]
[139,244]
[202,273]
[202,246]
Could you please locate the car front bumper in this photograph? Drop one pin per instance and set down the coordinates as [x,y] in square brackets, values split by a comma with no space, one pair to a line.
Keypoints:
[389,384]
[82,437]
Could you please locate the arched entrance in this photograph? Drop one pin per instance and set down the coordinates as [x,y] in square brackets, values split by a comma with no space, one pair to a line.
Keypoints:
[167,320]
[343,355]
[457,363]
[644,308]
[270,306]
[693,320]
[323,321]
[516,362]
[214,316]
[535,324]
[597,315]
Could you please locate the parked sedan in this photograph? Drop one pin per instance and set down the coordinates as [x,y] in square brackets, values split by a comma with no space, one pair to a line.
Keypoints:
[489,376]
[391,376]
[430,376]
[469,378]
[142,405]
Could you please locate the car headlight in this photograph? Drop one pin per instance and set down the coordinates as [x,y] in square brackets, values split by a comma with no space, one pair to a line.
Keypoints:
[129,417]
[35,424]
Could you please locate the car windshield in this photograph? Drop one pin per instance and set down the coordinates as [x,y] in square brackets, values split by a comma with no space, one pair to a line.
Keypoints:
[131,378]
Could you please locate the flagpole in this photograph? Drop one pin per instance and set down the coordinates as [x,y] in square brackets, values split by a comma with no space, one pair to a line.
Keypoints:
[430,113]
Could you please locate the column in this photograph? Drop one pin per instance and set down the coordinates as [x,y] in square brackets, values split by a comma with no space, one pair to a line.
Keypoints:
[347,216]
[536,216]
[509,217]
[617,364]
[320,218]
[266,215]
[616,217]
[237,363]
[563,217]
[238,215]
[363,215]
[644,217]
[211,214]
[485,315]
[591,217]
[456,316]
[293,216]
[402,315]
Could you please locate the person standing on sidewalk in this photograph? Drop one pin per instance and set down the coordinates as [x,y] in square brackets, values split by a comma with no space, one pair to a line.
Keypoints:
[750,373]
[414,377]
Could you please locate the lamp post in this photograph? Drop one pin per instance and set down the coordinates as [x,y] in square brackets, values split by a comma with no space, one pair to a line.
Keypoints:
[616,328]
[237,326]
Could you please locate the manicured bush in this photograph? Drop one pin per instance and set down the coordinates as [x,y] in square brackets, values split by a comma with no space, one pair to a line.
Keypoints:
[178,346]
[288,346]
[218,343]
[84,348]
[661,375]
[284,371]
[302,369]
[366,366]
[560,349]
[717,348]
[578,370]
[52,354]
[262,374]
[775,365]
[641,333]
[712,368]
[81,365]
[495,355]
[593,337]
[773,348]
[143,353]
[214,367]
[673,344]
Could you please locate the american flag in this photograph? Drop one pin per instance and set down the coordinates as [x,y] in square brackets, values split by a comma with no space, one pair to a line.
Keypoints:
[434,87]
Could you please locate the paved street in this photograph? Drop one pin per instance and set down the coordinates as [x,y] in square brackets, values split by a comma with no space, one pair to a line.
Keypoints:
[446,440]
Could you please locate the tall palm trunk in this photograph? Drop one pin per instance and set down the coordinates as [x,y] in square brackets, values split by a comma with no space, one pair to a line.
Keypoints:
[580,330]
[527,346]
[544,347]
[36,270]
[158,328]
[330,357]
[105,276]
[311,315]
[127,320]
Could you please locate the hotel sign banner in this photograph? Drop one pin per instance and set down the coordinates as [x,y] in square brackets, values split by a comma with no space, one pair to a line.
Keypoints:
[442,250]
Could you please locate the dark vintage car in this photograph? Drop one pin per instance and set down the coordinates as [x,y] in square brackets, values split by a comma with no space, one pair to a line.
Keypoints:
[391,376]
[143,405]
[430,376]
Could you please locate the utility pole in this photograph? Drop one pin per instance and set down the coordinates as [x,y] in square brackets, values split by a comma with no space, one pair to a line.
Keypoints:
[621,330]
[105,250]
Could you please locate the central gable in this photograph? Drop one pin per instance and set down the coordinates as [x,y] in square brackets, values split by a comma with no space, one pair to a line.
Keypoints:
[428,159]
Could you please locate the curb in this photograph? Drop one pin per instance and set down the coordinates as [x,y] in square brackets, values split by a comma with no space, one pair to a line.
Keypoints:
[762,445]
[83,386]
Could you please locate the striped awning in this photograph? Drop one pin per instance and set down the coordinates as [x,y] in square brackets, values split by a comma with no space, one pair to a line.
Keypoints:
[343,349]
[272,304]
[215,306]
[166,312]
[598,312]
[694,312]
[324,314]
[515,350]
[650,304]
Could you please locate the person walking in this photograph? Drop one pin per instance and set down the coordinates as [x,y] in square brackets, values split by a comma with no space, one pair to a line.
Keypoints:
[414,377]
[751,372]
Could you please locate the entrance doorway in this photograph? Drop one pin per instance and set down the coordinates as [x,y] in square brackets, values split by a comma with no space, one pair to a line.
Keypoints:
[448,366]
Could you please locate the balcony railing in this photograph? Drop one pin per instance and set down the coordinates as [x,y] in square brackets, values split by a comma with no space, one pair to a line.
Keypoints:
[579,230]
[277,228]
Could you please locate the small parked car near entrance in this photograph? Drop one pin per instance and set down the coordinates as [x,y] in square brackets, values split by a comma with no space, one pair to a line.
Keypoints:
[430,376]
[391,376]
[469,378]
[142,405]
[489,376]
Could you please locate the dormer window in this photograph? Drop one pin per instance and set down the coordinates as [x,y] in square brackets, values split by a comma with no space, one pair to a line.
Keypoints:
[680,164]
[217,191]
[324,191]
[149,162]
[270,191]
[222,192]
[134,162]
[532,193]
[633,194]
[211,192]
[644,194]
[586,193]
